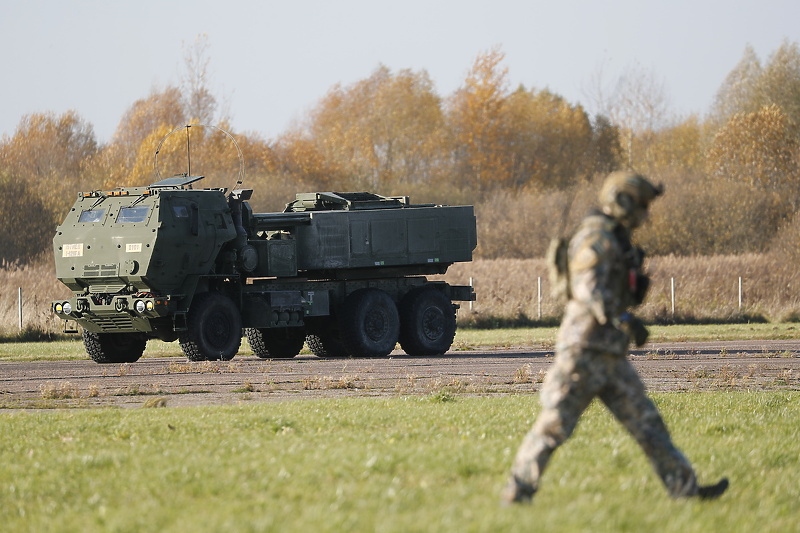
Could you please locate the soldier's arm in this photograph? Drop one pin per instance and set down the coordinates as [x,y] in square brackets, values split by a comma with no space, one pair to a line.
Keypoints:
[590,269]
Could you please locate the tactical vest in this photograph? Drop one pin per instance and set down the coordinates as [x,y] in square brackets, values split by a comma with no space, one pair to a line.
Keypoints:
[557,260]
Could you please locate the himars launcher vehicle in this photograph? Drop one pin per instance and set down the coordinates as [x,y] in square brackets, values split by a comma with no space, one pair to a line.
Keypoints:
[344,272]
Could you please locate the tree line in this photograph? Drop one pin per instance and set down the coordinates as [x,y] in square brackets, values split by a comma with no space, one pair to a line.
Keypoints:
[528,159]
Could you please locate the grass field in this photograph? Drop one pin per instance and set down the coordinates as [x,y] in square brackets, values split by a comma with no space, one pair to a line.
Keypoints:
[433,463]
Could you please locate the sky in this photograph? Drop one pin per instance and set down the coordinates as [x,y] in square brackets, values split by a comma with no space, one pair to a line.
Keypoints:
[271,61]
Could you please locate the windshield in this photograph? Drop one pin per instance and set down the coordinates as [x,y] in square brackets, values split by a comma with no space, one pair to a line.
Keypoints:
[92,215]
[132,214]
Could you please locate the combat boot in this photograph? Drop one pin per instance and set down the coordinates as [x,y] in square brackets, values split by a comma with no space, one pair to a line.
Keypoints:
[712,492]
[517,491]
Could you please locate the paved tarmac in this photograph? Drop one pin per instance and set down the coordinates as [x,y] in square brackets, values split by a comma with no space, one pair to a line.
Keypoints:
[175,381]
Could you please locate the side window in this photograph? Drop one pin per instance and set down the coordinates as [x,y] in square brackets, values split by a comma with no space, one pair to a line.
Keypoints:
[219,220]
[185,214]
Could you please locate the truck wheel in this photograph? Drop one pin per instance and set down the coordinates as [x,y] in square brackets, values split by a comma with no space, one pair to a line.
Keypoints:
[370,323]
[275,343]
[325,341]
[427,322]
[214,328]
[114,347]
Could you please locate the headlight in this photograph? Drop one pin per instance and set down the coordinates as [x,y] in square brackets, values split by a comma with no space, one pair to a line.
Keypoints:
[150,305]
[139,306]
[58,307]
[67,307]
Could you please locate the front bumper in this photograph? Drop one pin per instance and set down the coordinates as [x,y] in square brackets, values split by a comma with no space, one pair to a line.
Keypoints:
[114,314]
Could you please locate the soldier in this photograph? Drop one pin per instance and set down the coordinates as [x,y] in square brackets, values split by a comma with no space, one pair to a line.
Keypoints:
[605,279]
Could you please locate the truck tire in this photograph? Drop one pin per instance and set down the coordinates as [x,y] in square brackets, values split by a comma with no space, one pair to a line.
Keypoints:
[427,322]
[370,324]
[275,343]
[214,328]
[325,341]
[114,347]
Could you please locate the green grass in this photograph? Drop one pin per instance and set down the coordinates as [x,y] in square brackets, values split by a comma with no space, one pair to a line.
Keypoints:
[70,350]
[466,339]
[398,464]
[724,332]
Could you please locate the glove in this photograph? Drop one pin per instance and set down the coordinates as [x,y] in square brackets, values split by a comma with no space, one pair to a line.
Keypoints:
[634,327]
[638,284]
[642,284]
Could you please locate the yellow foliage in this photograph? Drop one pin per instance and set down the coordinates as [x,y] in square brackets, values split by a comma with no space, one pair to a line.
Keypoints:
[376,132]
[476,121]
[28,224]
[681,146]
[759,149]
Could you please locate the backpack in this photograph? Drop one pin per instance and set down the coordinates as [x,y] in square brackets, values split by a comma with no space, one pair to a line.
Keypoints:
[557,260]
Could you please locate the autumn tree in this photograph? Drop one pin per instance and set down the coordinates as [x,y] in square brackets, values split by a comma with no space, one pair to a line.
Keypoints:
[161,108]
[477,121]
[200,150]
[681,147]
[606,151]
[50,152]
[640,101]
[139,169]
[210,151]
[273,184]
[28,222]
[199,102]
[544,140]
[638,104]
[377,132]
[759,149]
[751,85]
[702,215]
[299,160]
[138,132]
[128,159]
[738,92]
[779,83]
[745,193]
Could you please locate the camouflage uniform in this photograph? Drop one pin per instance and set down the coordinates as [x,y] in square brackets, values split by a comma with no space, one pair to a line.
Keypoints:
[591,361]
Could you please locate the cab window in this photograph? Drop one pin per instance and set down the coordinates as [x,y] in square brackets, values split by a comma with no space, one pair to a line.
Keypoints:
[132,214]
[91,215]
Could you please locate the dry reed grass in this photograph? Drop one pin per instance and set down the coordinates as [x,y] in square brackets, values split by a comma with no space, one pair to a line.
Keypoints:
[39,287]
[706,290]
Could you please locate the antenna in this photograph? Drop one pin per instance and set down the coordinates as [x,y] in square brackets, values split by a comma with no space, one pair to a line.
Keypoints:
[239,178]
[188,153]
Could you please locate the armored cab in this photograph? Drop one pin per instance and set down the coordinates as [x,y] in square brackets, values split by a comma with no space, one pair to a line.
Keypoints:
[344,272]
[141,239]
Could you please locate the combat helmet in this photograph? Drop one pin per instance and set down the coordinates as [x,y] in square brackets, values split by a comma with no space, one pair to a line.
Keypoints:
[625,196]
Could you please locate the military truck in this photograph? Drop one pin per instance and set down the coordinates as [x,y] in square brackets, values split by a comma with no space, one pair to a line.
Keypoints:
[345,273]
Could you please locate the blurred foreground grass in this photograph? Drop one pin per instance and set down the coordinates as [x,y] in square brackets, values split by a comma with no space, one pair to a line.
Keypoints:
[401,464]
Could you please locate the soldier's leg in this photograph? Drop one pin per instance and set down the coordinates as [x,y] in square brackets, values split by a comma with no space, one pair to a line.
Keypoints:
[564,396]
[626,398]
